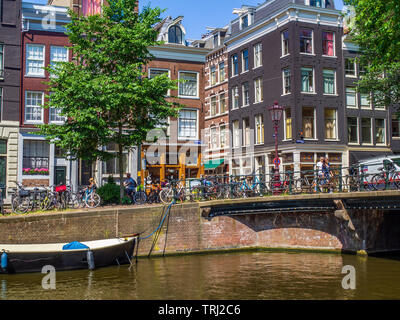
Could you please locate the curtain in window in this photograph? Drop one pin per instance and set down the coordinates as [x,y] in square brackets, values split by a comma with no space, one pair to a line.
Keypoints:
[380,130]
[330,124]
[306,79]
[329,81]
[327,43]
[36,154]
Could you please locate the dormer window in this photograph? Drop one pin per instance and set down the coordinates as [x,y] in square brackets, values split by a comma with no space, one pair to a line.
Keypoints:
[316,3]
[175,35]
[216,40]
[245,21]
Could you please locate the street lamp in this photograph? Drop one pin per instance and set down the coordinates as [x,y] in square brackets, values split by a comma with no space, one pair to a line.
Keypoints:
[276,112]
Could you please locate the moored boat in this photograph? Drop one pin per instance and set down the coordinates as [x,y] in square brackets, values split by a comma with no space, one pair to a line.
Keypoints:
[21,258]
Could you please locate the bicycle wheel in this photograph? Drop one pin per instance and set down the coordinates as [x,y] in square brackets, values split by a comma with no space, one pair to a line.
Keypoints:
[93,200]
[379,182]
[20,205]
[166,195]
[140,197]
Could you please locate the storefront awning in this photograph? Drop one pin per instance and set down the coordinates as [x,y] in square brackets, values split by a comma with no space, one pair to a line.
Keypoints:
[212,164]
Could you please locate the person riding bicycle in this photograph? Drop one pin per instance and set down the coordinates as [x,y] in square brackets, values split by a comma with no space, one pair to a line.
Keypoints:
[130,185]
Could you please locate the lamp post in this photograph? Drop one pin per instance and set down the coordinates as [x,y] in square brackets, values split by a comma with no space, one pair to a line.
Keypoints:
[276,112]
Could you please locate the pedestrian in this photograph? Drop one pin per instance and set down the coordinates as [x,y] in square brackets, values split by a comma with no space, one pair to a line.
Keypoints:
[320,173]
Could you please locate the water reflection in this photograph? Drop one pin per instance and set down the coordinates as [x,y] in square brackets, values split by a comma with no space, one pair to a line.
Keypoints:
[260,275]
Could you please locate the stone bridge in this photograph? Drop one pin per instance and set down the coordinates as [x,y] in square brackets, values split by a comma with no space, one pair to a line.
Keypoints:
[364,222]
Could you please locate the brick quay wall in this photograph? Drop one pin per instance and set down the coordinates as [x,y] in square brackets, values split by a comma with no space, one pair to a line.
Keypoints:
[186,231]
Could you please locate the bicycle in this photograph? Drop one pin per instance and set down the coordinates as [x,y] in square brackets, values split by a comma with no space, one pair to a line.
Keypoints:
[388,178]
[172,191]
[20,200]
[91,198]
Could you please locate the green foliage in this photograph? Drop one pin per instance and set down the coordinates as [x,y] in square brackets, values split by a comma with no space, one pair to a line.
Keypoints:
[375,29]
[126,200]
[109,193]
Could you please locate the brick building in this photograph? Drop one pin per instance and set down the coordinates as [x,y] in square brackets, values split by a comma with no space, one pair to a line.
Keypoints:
[216,121]
[178,152]
[291,52]
[43,43]
[10,83]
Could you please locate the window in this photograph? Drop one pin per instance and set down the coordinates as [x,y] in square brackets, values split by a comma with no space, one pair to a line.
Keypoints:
[34,60]
[288,124]
[111,166]
[213,75]
[216,40]
[1,101]
[189,87]
[316,3]
[245,94]
[366,134]
[222,103]
[58,54]
[306,41]
[33,109]
[257,55]
[395,126]
[380,135]
[245,60]
[235,65]
[365,100]
[187,124]
[222,136]
[214,137]
[258,88]
[246,132]
[55,115]
[351,101]
[285,42]
[236,134]
[330,124]
[328,44]
[307,80]
[214,107]
[286,81]
[308,122]
[352,127]
[244,21]
[350,67]
[329,81]
[175,35]
[259,129]
[1,60]
[36,154]
[221,71]
[376,105]
[157,72]
[235,97]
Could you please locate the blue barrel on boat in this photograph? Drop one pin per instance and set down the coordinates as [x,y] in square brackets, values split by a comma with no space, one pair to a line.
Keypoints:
[4,260]
[90,260]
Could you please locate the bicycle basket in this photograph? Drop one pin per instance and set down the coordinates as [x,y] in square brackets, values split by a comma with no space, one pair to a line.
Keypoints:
[61,188]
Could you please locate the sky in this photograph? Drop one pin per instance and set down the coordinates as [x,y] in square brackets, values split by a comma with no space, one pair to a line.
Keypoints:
[198,15]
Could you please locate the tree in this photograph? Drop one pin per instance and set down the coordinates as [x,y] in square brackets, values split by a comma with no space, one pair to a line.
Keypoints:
[104,93]
[377,33]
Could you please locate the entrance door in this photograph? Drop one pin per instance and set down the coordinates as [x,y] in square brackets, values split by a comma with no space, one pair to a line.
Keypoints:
[85,172]
[60,176]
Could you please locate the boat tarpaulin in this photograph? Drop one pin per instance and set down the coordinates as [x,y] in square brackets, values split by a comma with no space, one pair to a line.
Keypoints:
[75,245]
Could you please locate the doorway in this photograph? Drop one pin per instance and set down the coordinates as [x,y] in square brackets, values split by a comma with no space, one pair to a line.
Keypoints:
[60,175]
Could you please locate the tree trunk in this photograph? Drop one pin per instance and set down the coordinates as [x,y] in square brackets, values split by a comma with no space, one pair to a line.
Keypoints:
[121,167]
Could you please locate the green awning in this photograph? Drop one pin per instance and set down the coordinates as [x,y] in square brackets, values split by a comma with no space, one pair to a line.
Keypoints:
[212,164]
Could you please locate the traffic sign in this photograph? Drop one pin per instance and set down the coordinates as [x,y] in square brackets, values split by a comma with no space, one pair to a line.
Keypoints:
[277,161]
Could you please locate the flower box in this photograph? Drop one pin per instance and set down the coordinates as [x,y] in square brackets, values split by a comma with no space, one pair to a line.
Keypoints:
[36,171]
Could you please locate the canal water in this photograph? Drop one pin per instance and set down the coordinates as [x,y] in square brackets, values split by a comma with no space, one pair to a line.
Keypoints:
[244,275]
